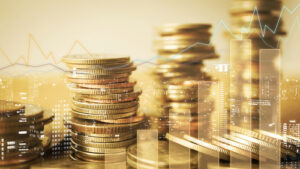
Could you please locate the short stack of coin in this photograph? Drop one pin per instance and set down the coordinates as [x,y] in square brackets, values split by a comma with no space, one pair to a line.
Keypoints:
[104,107]
[250,20]
[182,49]
[22,132]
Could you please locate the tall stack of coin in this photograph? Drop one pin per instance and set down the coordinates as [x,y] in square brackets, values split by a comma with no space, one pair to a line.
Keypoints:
[104,107]
[252,19]
[21,133]
[182,49]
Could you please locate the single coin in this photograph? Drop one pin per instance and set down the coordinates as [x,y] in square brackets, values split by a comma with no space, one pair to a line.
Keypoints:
[92,127]
[108,86]
[100,91]
[96,77]
[103,112]
[104,71]
[178,28]
[8,108]
[110,66]
[223,154]
[133,119]
[110,96]
[96,150]
[85,138]
[92,136]
[108,101]
[100,157]
[119,144]
[95,59]
[100,117]
[97,106]
[98,81]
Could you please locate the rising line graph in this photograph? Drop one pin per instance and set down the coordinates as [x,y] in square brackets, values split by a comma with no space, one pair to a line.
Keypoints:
[220,25]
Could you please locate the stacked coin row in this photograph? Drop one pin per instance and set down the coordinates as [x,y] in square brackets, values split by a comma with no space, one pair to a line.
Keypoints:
[104,107]
[242,144]
[182,48]
[22,136]
[245,81]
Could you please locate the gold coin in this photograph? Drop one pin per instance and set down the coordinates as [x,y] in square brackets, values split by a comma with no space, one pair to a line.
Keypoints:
[96,77]
[98,81]
[92,127]
[178,28]
[103,112]
[97,106]
[98,59]
[104,71]
[108,86]
[223,154]
[110,66]
[132,119]
[92,136]
[99,91]
[118,144]
[96,150]
[100,117]
[109,101]
[8,108]
[100,157]
[116,138]
[111,96]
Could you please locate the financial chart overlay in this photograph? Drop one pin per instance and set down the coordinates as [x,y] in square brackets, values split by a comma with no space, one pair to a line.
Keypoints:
[174,110]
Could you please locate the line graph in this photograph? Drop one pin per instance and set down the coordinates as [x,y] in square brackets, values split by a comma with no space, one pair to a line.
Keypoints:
[220,25]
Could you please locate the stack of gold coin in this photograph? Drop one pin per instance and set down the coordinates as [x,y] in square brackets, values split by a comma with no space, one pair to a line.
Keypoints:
[182,49]
[251,20]
[141,158]
[104,107]
[22,132]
